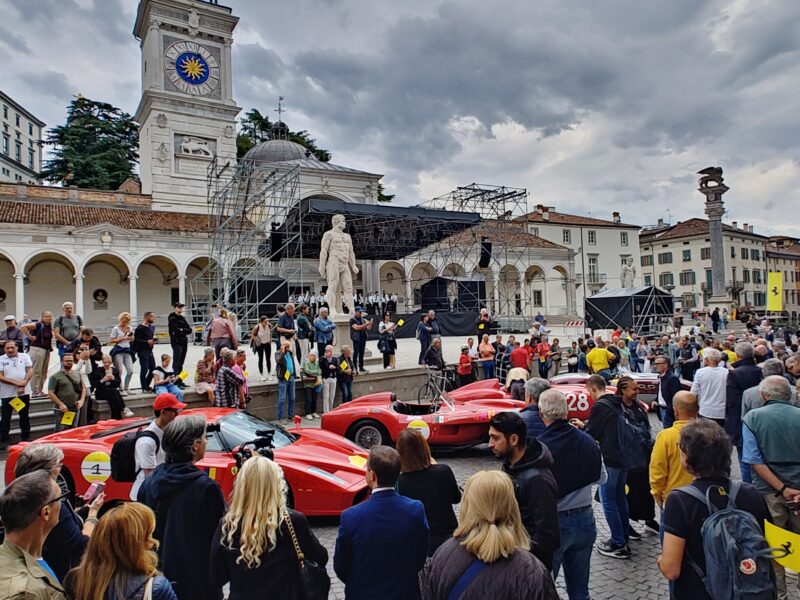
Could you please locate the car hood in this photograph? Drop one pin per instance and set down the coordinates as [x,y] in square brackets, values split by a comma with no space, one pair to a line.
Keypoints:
[326,451]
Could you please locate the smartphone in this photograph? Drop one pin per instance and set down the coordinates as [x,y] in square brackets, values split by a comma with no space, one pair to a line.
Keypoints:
[93,492]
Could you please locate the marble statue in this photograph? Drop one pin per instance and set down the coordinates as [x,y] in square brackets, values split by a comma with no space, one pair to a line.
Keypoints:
[337,264]
[627,273]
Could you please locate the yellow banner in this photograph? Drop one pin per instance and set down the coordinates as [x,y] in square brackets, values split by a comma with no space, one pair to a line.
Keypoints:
[780,538]
[775,291]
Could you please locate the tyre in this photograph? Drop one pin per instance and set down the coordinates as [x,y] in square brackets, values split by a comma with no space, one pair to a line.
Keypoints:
[369,434]
[425,393]
[66,483]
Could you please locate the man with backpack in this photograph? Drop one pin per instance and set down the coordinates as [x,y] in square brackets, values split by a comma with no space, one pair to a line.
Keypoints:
[66,328]
[714,546]
[147,451]
[770,437]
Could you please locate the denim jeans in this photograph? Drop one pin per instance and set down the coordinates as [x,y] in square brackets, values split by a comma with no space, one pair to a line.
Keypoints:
[615,505]
[311,400]
[147,363]
[578,534]
[169,388]
[286,388]
[606,375]
[667,418]
[488,369]
[745,469]
[347,390]
[359,347]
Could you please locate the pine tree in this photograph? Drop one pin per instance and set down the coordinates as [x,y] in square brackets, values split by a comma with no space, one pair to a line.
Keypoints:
[97,147]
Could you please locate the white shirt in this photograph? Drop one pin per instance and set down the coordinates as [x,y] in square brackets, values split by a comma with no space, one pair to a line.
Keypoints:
[147,457]
[710,388]
[14,368]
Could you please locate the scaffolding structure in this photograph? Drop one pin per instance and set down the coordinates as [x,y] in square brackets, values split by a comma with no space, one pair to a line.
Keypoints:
[495,254]
[249,207]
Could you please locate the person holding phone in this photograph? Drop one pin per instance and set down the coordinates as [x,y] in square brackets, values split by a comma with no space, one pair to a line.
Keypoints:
[165,380]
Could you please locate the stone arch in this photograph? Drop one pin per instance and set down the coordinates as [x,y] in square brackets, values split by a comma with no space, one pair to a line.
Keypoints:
[536,284]
[201,280]
[157,285]
[510,294]
[392,275]
[106,289]
[487,276]
[421,273]
[558,289]
[46,271]
[9,303]
[453,270]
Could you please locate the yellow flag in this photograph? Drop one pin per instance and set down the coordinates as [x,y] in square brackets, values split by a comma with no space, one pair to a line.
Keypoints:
[400,323]
[775,291]
[17,404]
[480,326]
[344,365]
[780,538]
[68,418]
[183,376]
[287,376]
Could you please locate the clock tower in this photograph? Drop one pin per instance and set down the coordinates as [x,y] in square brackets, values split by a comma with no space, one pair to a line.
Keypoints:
[187,113]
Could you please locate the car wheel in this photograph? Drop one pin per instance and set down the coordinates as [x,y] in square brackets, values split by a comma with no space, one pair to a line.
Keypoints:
[369,434]
[66,483]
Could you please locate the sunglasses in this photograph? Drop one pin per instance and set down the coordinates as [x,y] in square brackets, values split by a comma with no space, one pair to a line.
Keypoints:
[54,500]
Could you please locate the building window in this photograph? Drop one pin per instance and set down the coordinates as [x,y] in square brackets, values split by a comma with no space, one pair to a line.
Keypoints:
[623,238]
[687,255]
[733,252]
[591,237]
[665,279]
[30,158]
[5,145]
[705,253]
[537,297]
[647,260]
[18,152]
[755,254]
[665,258]
[30,129]
[744,253]
[756,276]
[648,280]
[689,300]
[17,120]
[566,236]
[5,111]
[687,278]
[746,275]
[535,231]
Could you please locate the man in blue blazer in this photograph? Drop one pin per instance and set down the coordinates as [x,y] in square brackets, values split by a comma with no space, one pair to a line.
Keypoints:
[382,542]
[668,386]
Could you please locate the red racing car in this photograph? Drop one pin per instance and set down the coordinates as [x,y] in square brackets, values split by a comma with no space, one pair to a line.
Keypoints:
[646,382]
[456,419]
[324,472]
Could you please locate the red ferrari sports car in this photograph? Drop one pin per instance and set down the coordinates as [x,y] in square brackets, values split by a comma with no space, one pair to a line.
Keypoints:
[456,419]
[324,472]
[646,382]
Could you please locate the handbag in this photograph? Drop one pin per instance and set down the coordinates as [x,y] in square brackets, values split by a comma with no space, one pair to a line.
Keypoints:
[572,360]
[314,581]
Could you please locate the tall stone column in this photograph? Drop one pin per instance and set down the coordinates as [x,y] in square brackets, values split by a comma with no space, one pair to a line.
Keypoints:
[133,296]
[409,295]
[79,277]
[182,289]
[712,187]
[19,305]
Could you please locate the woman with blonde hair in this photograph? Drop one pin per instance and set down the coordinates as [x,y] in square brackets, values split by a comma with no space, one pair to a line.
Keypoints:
[122,352]
[120,561]
[253,547]
[489,554]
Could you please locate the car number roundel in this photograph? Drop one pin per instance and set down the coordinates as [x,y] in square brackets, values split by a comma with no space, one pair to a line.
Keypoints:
[420,426]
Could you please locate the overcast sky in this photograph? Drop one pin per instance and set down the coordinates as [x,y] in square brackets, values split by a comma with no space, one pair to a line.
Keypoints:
[591,106]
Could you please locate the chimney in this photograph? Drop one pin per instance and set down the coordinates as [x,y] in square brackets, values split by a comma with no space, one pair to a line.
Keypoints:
[660,222]
[735,224]
[751,229]
[615,217]
[539,208]
[546,213]
[744,226]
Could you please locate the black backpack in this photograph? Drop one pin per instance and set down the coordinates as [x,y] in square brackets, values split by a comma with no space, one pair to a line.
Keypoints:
[123,455]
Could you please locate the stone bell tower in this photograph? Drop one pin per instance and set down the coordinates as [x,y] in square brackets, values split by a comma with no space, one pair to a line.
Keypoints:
[187,112]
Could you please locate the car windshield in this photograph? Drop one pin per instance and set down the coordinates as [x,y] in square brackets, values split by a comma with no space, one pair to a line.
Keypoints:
[240,427]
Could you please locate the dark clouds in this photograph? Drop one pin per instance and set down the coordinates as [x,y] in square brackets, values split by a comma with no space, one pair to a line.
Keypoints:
[609,104]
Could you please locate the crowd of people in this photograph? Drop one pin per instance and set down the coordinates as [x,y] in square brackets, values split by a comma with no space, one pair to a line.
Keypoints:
[518,528]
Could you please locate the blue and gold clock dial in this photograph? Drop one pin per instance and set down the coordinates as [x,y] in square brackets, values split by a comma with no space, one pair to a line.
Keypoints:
[192,68]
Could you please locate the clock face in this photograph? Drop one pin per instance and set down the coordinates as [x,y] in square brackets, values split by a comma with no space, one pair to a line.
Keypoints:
[191,68]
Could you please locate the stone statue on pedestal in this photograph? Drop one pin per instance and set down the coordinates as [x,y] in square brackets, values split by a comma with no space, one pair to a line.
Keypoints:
[627,273]
[337,264]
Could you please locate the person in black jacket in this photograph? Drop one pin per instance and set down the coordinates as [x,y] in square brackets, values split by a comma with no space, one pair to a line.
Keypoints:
[745,374]
[527,461]
[179,332]
[87,340]
[106,382]
[668,386]
[143,341]
[252,547]
[431,483]
[188,506]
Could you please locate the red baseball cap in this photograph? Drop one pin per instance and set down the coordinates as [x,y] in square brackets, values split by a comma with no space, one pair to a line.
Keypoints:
[167,400]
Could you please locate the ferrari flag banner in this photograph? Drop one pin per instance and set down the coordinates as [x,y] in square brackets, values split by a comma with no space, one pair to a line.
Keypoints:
[775,291]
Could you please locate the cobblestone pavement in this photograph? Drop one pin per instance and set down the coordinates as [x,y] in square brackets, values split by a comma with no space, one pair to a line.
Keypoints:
[611,579]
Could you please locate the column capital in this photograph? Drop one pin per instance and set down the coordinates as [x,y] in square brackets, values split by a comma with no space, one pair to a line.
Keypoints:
[181,277]
[19,275]
[133,277]
[78,276]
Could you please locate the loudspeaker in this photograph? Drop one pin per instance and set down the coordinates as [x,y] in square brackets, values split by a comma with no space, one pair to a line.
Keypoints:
[276,244]
[486,254]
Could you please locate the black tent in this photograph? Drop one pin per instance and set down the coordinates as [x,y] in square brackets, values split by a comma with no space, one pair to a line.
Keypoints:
[644,309]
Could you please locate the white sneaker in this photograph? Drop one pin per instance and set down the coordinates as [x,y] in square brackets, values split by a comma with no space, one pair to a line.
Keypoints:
[316,416]
[310,417]
[127,413]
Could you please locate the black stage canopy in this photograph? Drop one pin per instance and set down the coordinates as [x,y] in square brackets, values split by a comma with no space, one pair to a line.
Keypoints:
[379,232]
[644,309]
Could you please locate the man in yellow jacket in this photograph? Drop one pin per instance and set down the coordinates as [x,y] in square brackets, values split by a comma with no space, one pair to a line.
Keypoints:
[666,470]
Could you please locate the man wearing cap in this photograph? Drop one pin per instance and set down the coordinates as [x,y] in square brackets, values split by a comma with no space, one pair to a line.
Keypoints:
[149,453]
[179,332]
[12,333]
[358,335]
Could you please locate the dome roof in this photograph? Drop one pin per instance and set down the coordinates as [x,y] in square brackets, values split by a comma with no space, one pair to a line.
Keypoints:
[276,151]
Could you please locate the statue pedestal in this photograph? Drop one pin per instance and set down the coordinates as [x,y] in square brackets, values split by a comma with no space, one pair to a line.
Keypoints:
[341,336]
[719,302]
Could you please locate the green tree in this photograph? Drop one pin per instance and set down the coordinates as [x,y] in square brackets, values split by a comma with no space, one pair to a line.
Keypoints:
[97,147]
[384,197]
[255,128]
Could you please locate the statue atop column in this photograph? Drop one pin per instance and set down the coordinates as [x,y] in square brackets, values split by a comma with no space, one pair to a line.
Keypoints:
[627,273]
[337,264]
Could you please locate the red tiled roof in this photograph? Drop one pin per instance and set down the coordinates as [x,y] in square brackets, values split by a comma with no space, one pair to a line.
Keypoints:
[67,215]
[565,219]
[508,234]
[688,228]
